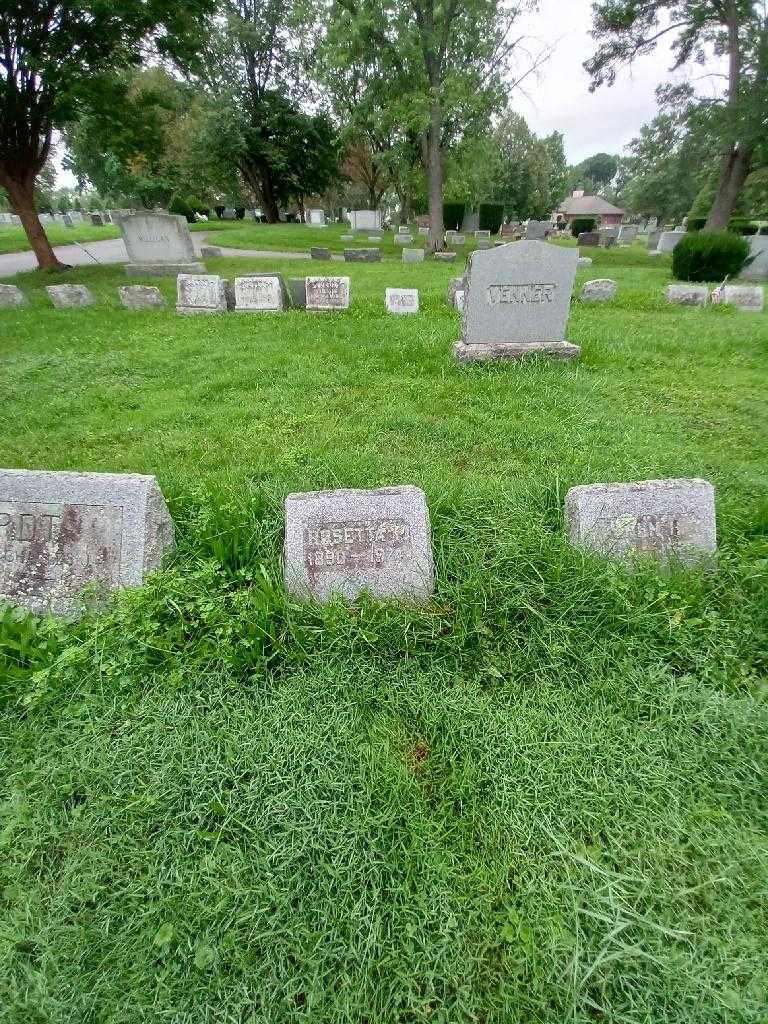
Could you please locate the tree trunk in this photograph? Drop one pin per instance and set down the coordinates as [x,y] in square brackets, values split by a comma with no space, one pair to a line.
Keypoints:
[271,209]
[434,169]
[22,197]
[736,168]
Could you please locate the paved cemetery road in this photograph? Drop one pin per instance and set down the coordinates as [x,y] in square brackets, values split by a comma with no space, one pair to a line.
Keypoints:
[112,250]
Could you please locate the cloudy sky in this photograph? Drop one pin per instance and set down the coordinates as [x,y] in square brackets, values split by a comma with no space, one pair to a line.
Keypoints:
[560,100]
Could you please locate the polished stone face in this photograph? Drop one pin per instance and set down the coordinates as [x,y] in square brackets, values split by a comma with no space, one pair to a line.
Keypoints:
[347,541]
[663,519]
[62,532]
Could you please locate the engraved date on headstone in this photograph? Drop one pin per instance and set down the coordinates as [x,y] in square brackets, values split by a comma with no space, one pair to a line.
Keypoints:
[357,544]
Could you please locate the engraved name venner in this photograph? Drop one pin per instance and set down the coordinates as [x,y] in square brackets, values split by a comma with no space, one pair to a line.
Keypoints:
[521,294]
[358,544]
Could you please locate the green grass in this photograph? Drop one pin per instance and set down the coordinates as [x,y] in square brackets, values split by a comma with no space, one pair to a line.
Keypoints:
[14,239]
[541,798]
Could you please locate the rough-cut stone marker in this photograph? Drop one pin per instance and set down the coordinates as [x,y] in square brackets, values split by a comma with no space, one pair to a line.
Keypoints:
[201,293]
[349,541]
[61,532]
[445,257]
[69,296]
[517,302]
[665,519]
[11,296]
[413,255]
[688,294]
[158,244]
[141,296]
[318,252]
[748,298]
[327,293]
[602,290]
[297,290]
[584,261]
[362,255]
[210,252]
[264,293]
[403,239]
[402,300]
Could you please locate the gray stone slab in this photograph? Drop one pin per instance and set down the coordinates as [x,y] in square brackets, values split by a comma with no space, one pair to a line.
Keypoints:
[349,541]
[347,238]
[374,238]
[319,252]
[688,294]
[602,290]
[413,255]
[259,293]
[588,239]
[481,233]
[668,240]
[362,255]
[200,294]
[402,300]
[537,230]
[158,244]
[757,270]
[297,290]
[70,296]
[663,519]
[141,296]
[747,298]
[627,234]
[97,221]
[210,252]
[445,257]
[456,284]
[11,296]
[459,299]
[584,261]
[517,302]
[403,229]
[403,239]
[327,293]
[653,239]
[62,532]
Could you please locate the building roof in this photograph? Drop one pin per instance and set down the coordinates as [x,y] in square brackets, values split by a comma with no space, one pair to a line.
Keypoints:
[588,205]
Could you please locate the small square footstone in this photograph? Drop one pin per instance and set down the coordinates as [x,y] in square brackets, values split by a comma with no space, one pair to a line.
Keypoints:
[664,519]
[517,301]
[413,255]
[317,252]
[456,284]
[374,238]
[141,296]
[748,298]
[459,299]
[584,261]
[688,294]
[599,291]
[297,290]
[362,255]
[349,541]
[403,239]
[61,532]
[11,296]
[347,238]
[445,257]
[262,293]
[69,296]
[327,293]
[210,252]
[402,300]
[200,294]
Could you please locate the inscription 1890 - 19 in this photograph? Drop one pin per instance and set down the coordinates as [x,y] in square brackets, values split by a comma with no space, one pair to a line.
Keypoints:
[521,294]
[359,544]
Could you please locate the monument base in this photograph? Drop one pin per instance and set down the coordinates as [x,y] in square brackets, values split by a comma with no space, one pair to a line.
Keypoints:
[200,310]
[494,353]
[163,269]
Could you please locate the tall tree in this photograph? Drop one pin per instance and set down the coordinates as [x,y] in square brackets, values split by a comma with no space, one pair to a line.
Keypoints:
[441,65]
[51,53]
[737,29]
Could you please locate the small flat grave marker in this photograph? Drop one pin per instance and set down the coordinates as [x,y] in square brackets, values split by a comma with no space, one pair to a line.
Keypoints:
[748,298]
[200,294]
[11,296]
[402,300]
[141,296]
[688,294]
[349,541]
[326,293]
[260,293]
[318,252]
[413,255]
[602,290]
[69,296]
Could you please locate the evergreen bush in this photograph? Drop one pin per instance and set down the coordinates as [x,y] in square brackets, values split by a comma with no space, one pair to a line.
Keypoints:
[579,225]
[709,256]
[491,217]
[453,216]
[182,208]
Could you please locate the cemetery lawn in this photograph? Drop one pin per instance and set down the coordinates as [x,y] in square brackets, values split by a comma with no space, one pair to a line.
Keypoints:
[13,239]
[540,798]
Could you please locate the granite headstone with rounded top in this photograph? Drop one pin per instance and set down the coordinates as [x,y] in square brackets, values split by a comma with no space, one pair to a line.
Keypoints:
[158,244]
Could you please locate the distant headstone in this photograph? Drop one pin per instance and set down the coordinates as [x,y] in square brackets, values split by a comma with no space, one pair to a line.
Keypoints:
[537,230]
[422,231]
[459,299]
[584,261]
[403,239]
[664,519]
[62,532]
[757,270]
[11,296]
[210,252]
[653,239]
[413,255]
[158,244]
[374,238]
[97,221]
[454,285]
[365,220]
[297,290]
[403,229]
[318,252]
[362,255]
[141,296]
[350,541]
[602,290]
[325,293]
[445,257]
[229,214]
[653,224]
[668,240]
[517,302]
[402,300]
[482,233]
[69,296]
[317,218]
[200,294]
[627,234]
[688,294]
[68,222]
[264,293]
[748,298]
[347,238]
[458,239]
[608,237]
[588,238]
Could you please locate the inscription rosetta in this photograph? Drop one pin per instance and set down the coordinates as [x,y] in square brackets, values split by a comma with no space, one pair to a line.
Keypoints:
[358,544]
[521,294]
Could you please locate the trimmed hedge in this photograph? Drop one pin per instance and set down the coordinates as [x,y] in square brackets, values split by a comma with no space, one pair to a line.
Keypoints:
[742,226]
[453,216]
[182,208]
[581,225]
[491,217]
[709,256]
[696,223]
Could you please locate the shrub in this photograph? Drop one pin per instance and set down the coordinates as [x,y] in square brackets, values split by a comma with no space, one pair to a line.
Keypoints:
[696,223]
[709,256]
[181,206]
[453,215]
[219,211]
[763,230]
[742,226]
[491,216]
[240,212]
[579,225]
[198,206]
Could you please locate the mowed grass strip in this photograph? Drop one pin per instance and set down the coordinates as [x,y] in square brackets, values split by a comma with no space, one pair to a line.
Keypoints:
[539,798]
[14,239]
